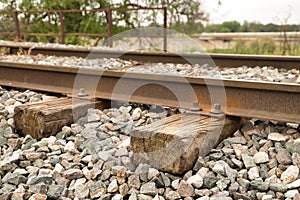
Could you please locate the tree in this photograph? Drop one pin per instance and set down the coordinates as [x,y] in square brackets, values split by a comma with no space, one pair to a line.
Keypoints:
[232,26]
[183,15]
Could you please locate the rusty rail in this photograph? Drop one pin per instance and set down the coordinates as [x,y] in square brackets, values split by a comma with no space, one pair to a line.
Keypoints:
[223,60]
[62,34]
[273,101]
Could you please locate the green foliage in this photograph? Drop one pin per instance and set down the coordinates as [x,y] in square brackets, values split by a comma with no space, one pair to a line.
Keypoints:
[262,46]
[234,26]
[182,16]
[187,28]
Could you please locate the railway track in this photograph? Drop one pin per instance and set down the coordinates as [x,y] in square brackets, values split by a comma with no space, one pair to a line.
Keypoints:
[274,101]
[91,158]
[224,60]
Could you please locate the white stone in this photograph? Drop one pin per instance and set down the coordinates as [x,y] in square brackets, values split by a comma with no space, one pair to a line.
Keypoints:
[291,193]
[50,140]
[272,179]
[75,183]
[113,186]
[152,172]
[295,184]
[58,168]
[203,171]
[261,157]
[175,184]
[298,79]
[253,173]
[267,197]
[195,180]
[117,197]
[70,147]
[203,198]
[290,174]
[276,137]
[21,171]
[136,114]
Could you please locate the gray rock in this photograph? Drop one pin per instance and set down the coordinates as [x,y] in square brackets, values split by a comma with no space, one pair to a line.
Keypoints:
[134,182]
[278,187]
[222,184]
[106,197]
[216,156]
[237,162]
[260,186]
[171,195]
[35,155]
[144,197]
[14,178]
[165,180]
[248,161]
[149,189]
[231,173]
[233,187]
[219,167]
[97,190]
[3,141]
[123,189]
[244,184]
[6,165]
[199,164]
[55,191]
[105,175]
[133,196]
[296,159]
[283,156]
[47,179]
[73,174]
[82,191]
[18,194]
[210,182]
[142,171]
[236,140]
[185,189]
[38,188]
[7,188]
[203,192]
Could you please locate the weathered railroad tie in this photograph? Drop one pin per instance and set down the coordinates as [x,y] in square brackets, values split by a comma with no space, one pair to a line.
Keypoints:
[174,143]
[47,118]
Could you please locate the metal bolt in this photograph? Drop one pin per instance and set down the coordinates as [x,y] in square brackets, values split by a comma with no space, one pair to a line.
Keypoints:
[195,106]
[82,93]
[216,109]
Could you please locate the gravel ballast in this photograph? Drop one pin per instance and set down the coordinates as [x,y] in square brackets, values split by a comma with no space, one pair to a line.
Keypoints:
[92,159]
[258,73]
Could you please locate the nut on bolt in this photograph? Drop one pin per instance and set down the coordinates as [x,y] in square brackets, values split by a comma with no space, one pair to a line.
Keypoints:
[195,106]
[216,109]
[82,93]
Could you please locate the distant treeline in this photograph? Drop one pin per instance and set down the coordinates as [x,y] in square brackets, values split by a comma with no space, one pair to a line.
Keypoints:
[234,26]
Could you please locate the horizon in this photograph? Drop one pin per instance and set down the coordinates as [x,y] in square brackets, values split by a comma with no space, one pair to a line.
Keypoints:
[280,12]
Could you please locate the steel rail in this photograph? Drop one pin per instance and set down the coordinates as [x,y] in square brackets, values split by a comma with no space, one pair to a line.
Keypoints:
[222,60]
[273,101]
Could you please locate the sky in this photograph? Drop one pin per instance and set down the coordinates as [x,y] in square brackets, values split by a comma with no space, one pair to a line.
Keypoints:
[264,11]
